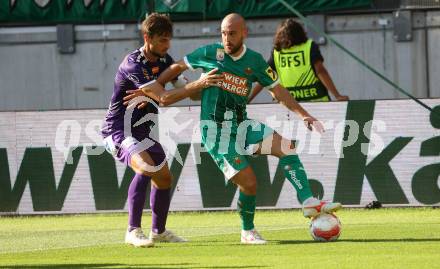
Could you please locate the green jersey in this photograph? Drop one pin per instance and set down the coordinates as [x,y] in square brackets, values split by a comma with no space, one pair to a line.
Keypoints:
[231,95]
[225,104]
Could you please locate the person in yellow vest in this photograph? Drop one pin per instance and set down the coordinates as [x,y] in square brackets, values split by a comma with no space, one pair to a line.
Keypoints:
[299,65]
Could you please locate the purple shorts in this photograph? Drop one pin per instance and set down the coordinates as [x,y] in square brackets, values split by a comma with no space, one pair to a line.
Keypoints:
[122,148]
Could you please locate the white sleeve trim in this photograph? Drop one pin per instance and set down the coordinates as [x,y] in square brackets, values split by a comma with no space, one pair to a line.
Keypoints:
[146,84]
[228,170]
[185,59]
[271,86]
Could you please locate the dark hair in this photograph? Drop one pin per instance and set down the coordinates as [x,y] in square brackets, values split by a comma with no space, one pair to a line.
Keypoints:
[289,33]
[157,24]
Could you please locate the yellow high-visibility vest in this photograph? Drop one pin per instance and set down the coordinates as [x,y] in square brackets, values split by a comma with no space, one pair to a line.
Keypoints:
[296,74]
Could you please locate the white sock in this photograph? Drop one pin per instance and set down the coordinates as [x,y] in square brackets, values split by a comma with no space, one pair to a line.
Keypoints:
[311,201]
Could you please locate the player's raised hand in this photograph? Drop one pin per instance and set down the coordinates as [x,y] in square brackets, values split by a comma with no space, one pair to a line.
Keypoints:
[131,94]
[153,90]
[313,124]
[210,79]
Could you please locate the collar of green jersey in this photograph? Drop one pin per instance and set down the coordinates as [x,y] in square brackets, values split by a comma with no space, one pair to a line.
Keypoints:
[238,57]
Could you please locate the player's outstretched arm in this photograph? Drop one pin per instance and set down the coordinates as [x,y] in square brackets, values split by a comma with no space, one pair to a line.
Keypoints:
[157,92]
[192,88]
[255,91]
[284,97]
[171,72]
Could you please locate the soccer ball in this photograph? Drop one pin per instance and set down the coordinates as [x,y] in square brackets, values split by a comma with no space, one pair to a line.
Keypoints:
[325,227]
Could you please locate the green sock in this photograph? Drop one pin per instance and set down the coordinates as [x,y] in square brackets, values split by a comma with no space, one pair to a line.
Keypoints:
[295,173]
[246,209]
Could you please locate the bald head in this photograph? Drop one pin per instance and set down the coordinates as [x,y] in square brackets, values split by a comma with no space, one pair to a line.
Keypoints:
[234,19]
[234,32]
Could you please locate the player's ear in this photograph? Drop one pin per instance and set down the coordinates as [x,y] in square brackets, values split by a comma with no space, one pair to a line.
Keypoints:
[245,32]
[146,38]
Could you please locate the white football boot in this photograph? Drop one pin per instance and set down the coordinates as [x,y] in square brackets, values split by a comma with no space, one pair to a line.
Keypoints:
[252,237]
[137,238]
[167,236]
[312,207]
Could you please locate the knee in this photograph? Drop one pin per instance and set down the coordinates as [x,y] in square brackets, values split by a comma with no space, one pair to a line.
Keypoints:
[143,167]
[163,181]
[249,186]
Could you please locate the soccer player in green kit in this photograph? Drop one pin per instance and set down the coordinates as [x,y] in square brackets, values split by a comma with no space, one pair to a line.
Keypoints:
[227,138]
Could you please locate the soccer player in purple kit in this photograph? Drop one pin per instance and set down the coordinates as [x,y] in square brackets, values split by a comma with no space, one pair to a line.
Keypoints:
[148,160]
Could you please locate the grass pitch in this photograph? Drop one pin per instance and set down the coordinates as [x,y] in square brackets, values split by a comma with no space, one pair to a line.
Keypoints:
[384,238]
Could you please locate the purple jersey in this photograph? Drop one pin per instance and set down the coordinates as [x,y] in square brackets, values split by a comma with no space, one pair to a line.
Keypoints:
[135,72]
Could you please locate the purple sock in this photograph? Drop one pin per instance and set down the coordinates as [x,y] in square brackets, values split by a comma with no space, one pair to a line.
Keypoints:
[160,204]
[137,192]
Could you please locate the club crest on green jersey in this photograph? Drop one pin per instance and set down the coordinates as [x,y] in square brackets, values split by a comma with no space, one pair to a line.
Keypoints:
[220,56]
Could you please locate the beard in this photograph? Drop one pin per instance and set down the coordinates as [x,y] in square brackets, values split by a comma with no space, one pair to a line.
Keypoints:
[157,54]
[235,48]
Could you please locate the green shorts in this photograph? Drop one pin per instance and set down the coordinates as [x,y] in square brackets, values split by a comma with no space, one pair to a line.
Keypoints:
[231,146]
